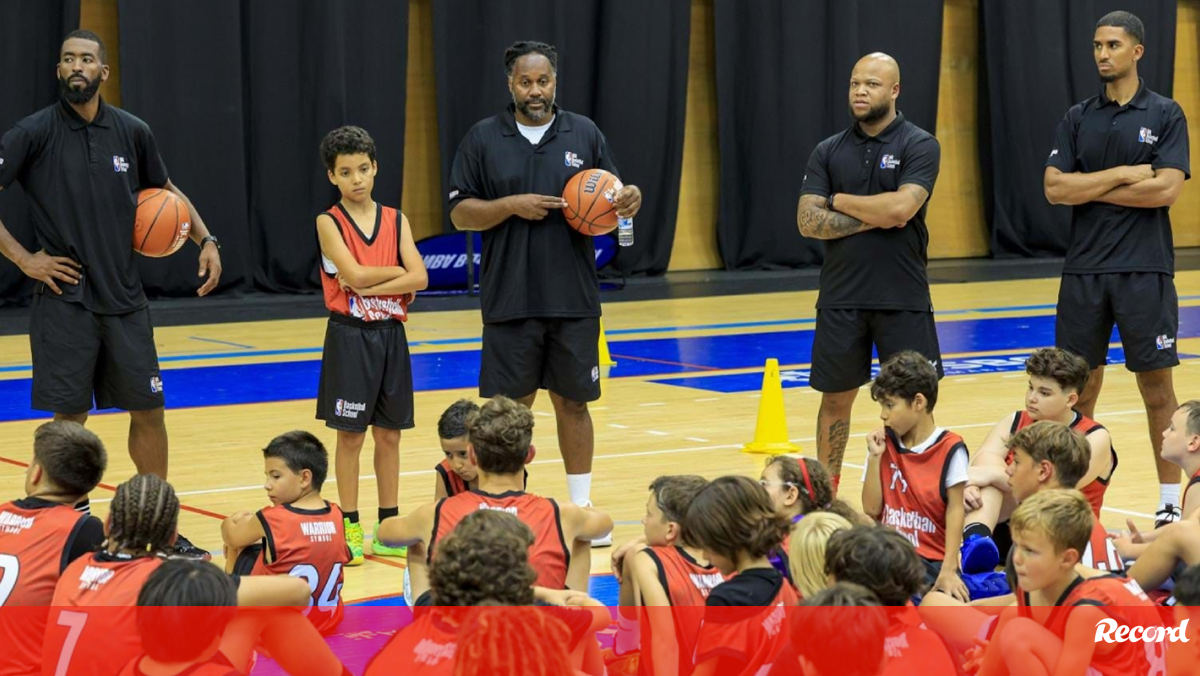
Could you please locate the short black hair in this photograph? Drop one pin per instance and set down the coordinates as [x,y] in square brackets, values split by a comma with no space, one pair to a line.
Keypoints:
[71,455]
[906,375]
[170,618]
[84,34]
[878,558]
[1126,20]
[453,423]
[300,450]
[526,47]
[347,140]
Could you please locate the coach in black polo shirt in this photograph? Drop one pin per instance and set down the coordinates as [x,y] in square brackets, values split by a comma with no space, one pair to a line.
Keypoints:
[865,191]
[1120,159]
[81,163]
[540,293]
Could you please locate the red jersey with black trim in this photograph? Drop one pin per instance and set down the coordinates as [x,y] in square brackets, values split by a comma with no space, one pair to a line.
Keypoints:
[687,584]
[1101,553]
[217,665]
[549,555]
[1123,600]
[1191,482]
[911,648]
[746,638]
[424,648]
[92,629]
[309,544]
[914,491]
[1095,489]
[36,538]
[453,483]
[381,249]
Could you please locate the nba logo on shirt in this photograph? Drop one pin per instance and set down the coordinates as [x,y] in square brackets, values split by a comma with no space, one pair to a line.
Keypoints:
[156,384]
[120,165]
[572,160]
[1145,136]
[888,162]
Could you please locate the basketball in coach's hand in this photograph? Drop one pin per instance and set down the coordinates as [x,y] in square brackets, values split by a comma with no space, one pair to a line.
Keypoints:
[162,224]
[590,196]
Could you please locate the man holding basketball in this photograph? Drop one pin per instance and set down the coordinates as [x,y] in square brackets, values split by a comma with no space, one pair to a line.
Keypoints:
[82,163]
[540,295]
[865,192]
[1119,160]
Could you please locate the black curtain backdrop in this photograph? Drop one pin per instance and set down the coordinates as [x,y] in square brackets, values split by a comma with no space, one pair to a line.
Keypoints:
[622,63]
[239,95]
[783,73]
[31,31]
[1036,62]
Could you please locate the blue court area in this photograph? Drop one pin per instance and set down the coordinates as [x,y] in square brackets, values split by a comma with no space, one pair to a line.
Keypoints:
[683,361]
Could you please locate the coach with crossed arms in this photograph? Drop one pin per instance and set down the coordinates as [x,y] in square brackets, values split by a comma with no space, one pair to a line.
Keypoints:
[82,162]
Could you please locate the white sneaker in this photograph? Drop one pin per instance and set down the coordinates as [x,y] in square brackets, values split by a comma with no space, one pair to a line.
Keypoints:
[605,541]
[1167,514]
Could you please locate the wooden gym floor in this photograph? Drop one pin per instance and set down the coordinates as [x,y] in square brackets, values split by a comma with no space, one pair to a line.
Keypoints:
[683,399]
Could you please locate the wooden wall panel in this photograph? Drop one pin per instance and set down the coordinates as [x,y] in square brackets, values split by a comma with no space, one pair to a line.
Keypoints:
[100,17]
[1185,215]
[422,197]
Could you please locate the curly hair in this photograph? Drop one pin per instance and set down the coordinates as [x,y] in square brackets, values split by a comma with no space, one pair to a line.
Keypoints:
[485,558]
[1061,446]
[734,515]
[878,558]
[143,516]
[820,498]
[1068,370]
[500,434]
[906,375]
[512,642]
[348,140]
[71,455]
[525,47]
[453,423]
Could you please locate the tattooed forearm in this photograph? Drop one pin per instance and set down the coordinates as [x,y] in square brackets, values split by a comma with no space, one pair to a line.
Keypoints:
[817,222]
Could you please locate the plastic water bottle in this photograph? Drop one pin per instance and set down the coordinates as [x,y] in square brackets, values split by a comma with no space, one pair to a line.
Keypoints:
[625,231]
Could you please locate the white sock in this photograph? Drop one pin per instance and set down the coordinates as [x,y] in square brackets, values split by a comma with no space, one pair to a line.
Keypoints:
[579,487]
[1168,494]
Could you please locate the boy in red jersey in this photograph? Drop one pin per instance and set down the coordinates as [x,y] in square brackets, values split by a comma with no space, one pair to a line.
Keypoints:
[370,268]
[500,445]
[1056,380]
[42,533]
[667,579]
[456,473]
[916,471]
[301,533]
[1050,530]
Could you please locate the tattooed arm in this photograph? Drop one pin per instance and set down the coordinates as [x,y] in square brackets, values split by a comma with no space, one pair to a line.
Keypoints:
[817,222]
[885,210]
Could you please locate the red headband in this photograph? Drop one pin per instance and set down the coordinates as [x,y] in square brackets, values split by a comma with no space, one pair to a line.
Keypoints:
[812,494]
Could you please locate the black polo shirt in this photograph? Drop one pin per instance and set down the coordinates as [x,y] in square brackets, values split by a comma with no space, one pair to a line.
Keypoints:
[1099,134]
[877,269]
[82,181]
[532,268]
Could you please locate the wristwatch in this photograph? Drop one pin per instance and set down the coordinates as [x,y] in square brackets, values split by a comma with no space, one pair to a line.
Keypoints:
[212,239]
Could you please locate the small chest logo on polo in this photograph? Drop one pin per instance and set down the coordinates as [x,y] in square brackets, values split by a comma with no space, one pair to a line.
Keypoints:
[348,409]
[1145,135]
[889,162]
[120,165]
[1164,342]
[572,160]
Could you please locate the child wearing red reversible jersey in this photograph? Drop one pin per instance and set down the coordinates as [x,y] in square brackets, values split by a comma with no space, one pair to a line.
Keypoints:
[735,523]
[370,269]
[916,470]
[301,534]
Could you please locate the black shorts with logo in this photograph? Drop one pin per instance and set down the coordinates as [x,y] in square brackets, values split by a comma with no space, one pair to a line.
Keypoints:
[523,356]
[1143,305]
[366,375]
[841,353]
[78,354]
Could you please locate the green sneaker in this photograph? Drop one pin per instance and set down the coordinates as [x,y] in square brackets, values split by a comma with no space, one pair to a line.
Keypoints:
[380,549]
[354,540]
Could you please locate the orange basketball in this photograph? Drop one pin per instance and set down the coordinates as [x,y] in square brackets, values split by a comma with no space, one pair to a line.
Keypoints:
[162,223]
[590,197]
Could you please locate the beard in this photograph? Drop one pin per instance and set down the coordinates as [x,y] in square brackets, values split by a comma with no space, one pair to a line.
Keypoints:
[80,95]
[873,114]
[1110,77]
[535,115]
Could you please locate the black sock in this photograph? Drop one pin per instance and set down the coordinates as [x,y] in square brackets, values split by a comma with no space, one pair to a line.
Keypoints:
[353,516]
[976,529]
[84,506]
[388,512]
